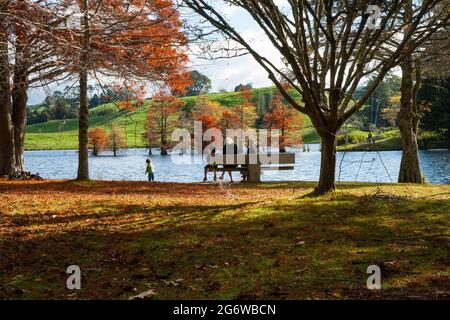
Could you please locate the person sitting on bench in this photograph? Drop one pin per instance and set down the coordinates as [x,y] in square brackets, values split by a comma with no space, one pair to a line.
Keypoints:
[251,149]
[211,165]
[229,148]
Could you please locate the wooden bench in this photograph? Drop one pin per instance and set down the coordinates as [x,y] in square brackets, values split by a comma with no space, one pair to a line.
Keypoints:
[255,163]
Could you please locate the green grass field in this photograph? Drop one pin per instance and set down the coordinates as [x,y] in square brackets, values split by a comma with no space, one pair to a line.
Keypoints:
[63,134]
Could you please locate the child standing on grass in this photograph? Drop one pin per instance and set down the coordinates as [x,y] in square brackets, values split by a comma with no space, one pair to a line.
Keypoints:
[150,171]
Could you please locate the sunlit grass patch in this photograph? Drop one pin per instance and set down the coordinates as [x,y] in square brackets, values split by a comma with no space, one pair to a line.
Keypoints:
[265,242]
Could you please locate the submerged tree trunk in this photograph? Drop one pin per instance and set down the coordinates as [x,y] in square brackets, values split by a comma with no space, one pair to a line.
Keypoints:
[164,136]
[7,155]
[83,125]
[19,114]
[410,170]
[327,164]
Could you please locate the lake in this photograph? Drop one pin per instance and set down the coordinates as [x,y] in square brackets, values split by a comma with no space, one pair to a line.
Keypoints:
[130,165]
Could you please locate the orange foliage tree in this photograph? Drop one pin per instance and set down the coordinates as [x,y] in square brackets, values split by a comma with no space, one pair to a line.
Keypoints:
[286,119]
[98,139]
[116,140]
[206,111]
[164,106]
[246,110]
[130,93]
[131,39]
[150,134]
[229,120]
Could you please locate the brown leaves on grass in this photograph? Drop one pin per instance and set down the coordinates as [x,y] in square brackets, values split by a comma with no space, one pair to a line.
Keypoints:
[193,241]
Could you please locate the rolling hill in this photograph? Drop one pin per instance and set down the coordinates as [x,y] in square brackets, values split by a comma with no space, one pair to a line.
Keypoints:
[63,134]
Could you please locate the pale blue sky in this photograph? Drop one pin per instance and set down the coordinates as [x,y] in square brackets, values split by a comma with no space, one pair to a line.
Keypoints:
[224,73]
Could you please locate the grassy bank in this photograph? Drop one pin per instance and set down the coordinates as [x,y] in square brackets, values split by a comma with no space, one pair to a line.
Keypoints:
[388,140]
[191,241]
[63,134]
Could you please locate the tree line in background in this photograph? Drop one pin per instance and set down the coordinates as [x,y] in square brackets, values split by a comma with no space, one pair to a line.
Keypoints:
[64,104]
[166,112]
[383,106]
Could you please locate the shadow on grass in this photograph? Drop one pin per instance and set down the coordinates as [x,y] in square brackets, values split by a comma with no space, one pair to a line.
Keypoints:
[307,248]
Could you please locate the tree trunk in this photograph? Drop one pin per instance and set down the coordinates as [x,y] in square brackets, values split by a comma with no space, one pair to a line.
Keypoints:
[7,155]
[410,170]
[19,115]
[164,149]
[83,125]
[327,164]
[163,136]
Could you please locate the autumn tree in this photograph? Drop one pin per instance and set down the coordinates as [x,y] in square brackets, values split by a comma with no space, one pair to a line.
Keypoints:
[150,134]
[164,106]
[327,48]
[390,113]
[229,120]
[132,39]
[246,109]
[208,112]
[27,47]
[98,140]
[116,140]
[284,118]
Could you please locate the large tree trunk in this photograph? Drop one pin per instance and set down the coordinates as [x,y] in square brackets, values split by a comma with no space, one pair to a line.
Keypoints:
[410,170]
[83,127]
[19,115]
[327,164]
[83,124]
[7,156]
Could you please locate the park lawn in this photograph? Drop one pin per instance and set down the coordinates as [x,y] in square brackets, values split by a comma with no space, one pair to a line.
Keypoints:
[242,241]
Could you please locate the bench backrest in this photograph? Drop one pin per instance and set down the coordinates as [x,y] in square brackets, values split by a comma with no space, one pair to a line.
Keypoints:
[265,159]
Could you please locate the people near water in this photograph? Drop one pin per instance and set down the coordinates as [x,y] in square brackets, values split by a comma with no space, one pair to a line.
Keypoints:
[369,138]
[229,148]
[251,149]
[211,165]
[150,170]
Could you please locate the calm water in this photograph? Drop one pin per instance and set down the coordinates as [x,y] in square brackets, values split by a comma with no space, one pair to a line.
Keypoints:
[130,165]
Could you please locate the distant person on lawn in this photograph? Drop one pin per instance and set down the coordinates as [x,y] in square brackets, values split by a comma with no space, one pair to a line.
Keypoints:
[150,170]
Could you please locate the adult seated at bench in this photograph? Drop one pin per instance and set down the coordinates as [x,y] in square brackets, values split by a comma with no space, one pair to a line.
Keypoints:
[229,148]
[252,163]
[211,165]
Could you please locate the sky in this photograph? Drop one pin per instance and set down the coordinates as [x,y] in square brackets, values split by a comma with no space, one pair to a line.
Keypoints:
[227,73]
[224,73]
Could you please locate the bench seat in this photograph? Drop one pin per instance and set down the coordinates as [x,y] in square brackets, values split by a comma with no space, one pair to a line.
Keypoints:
[282,161]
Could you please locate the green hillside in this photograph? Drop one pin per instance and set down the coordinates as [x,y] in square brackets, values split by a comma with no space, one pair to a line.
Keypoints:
[63,134]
